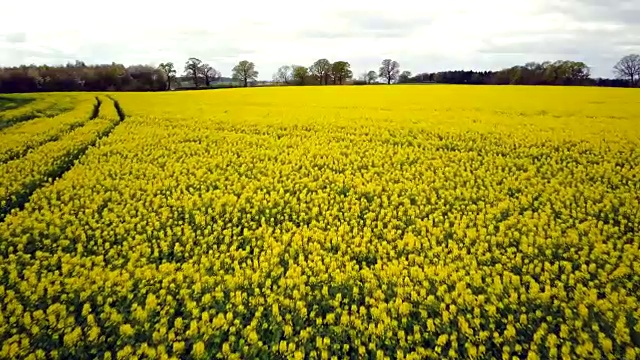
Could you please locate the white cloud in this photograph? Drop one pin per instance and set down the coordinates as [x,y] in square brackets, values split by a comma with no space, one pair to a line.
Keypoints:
[422,36]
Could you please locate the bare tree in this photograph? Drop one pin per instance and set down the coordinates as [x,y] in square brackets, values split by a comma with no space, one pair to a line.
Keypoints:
[170,71]
[245,71]
[209,74]
[283,75]
[192,69]
[389,70]
[371,76]
[628,68]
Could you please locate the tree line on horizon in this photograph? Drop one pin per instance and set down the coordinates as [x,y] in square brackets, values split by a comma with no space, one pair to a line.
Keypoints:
[79,76]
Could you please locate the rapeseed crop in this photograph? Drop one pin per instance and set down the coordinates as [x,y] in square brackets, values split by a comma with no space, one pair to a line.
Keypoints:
[24,107]
[18,139]
[337,222]
[20,177]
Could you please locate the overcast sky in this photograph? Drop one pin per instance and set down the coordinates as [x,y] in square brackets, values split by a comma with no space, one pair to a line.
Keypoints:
[420,35]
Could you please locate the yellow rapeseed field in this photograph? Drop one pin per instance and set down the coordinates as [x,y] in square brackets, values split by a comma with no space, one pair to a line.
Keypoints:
[376,222]
[22,107]
[18,139]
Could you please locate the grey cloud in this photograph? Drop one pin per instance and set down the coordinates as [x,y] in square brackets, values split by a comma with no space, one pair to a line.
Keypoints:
[322,34]
[620,12]
[614,31]
[551,43]
[177,47]
[16,38]
[352,34]
[367,25]
[599,58]
[17,55]
[620,20]
[208,44]
[376,22]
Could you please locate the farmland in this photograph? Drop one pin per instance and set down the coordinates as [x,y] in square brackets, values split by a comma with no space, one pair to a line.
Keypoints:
[376,222]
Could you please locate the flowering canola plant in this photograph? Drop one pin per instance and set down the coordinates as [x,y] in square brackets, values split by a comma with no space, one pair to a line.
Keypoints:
[18,139]
[18,178]
[377,222]
[30,106]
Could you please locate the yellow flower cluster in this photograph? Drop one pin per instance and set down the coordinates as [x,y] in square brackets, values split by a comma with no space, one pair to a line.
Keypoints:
[20,177]
[337,222]
[31,106]
[18,139]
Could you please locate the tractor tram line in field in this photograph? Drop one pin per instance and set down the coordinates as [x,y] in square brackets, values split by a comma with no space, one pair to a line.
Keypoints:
[118,108]
[21,177]
[17,141]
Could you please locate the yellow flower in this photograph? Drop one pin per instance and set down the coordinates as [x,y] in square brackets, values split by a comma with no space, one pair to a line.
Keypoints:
[583,311]
[94,333]
[226,348]
[126,330]
[198,350]
[178,347]
[468,216]
[283,347]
